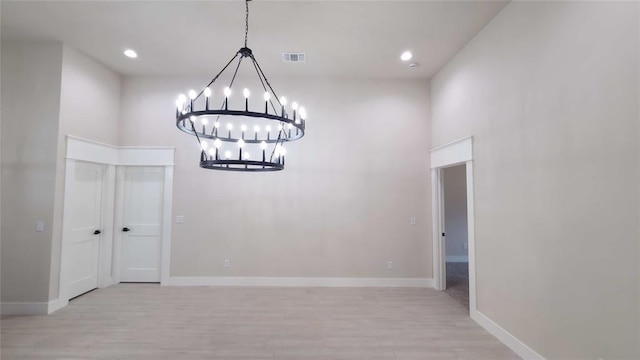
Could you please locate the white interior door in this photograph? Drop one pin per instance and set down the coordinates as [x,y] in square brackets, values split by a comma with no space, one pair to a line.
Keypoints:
[84,227]
[142,224]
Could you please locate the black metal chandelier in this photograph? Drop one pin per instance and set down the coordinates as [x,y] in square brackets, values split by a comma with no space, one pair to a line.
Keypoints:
[196,116]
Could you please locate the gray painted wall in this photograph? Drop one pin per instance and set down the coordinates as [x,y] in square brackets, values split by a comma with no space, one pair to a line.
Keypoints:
[549,90]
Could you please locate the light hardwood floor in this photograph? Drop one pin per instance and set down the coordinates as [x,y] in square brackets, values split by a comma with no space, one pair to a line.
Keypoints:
[142,321]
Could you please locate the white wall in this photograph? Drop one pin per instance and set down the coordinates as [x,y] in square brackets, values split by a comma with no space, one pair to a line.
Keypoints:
[342,206]
[30,107]
[455,212]
[549,90]
[90,109]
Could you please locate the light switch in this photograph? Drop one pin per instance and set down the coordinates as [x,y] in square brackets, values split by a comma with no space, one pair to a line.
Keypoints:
[179,219]
[39,226]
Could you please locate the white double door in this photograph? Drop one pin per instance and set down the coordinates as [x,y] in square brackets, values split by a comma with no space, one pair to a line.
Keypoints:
[141,232]
[89,238]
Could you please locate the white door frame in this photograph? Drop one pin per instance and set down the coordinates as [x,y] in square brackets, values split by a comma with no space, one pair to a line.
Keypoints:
[451,154]
[114,157]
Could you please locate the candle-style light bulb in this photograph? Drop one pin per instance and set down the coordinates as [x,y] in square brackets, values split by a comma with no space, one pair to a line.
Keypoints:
[180,101]
[246,94]
[227,154]
[217,143]
[207,95]
[267,97]
[246,156]
[192,94]
[204,145]
[280,127]
[256,128]
[241,143]
[283,102]
[227,93]
[243,127]
[217,124]
[263,147]
[192,118]
[204,121]
[229,126]
[212,152]
[294,106]
[268,128]
[303,113]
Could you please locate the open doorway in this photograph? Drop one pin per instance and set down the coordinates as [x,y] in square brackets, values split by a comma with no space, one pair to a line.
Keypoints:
[454,189]
[448,156]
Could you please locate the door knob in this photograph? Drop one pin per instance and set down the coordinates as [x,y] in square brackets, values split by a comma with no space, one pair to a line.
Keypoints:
[97,232]
[125,229]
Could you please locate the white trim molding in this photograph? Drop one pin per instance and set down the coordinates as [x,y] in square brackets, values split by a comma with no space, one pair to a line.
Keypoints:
[453,153]
[506,337]
[91,151]
[31,308]
[96,152]
[297,281]
[24,308]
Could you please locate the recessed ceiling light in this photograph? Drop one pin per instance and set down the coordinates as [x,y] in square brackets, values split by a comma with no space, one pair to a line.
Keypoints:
[130,53]
[406,56]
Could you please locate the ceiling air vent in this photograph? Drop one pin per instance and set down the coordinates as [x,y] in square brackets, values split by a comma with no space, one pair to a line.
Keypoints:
[294,57]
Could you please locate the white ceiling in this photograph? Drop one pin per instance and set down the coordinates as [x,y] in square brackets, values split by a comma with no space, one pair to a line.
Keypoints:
[341,38]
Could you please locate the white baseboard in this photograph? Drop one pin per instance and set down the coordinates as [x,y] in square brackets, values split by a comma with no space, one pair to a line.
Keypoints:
[24,308]
[505,337]
[31,308]
[298,282]
[457,258]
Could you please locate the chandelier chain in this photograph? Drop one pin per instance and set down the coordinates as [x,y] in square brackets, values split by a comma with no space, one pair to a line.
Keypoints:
[246,23]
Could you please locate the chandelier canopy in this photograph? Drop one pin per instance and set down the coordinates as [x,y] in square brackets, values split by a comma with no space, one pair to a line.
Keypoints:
[264,125]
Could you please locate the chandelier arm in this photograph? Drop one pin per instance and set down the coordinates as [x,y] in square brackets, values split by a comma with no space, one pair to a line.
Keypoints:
[218,75]
[233,79]
[264,86]
[265,79]
[196,133]
[261,75]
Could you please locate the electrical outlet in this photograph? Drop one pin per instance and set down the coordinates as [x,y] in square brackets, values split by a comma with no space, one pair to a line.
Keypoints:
[389,265]
[412,220]
[39,226]
[226,263]
[179,219]
[465,246]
